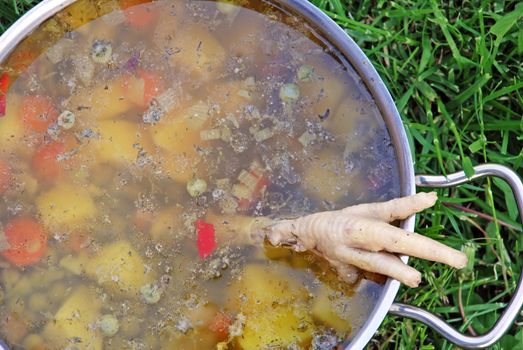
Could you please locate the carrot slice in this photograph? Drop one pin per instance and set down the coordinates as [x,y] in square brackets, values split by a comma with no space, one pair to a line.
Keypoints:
[142,219]
[21,59]
[27,242]
[78,241]
[38,112]
[220,325]
[45,161]
[125,4]
[152,85]
[5,176]
[138,16]
[14,327]
[4,82]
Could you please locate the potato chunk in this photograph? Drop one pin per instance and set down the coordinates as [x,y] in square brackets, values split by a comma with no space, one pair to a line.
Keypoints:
[201,55]
[78,14]
[231,96]
[324,309]
[166,223]
[263,287]
[119,268]
[274,305]
[120,141]
[65,205]
[326,177]
[12,129]
[74,320]
[325,90]
[177,141]
[279,327]
[110,99]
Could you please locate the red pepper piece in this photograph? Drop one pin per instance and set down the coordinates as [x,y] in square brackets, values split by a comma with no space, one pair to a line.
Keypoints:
[206,241]
[4,82]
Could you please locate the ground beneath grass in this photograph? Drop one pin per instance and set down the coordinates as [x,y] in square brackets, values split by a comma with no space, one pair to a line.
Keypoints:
[455,70]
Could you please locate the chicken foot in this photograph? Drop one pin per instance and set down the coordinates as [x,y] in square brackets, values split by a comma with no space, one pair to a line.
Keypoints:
[357,237]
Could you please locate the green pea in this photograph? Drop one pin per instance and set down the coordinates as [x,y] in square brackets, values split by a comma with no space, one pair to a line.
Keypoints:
[151,293]
[289,92]
[196,187]
[66,120]
[305,72]
[109,325]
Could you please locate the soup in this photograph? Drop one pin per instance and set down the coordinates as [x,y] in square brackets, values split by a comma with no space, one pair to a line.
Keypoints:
[137,143]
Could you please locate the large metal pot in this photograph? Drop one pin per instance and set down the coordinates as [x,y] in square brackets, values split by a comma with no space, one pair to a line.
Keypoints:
[357,59]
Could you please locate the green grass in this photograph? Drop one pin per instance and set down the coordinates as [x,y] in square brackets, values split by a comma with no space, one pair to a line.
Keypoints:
[11,10]
[455,71]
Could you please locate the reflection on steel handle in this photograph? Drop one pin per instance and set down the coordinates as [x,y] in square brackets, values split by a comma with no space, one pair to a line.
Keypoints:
[511,311]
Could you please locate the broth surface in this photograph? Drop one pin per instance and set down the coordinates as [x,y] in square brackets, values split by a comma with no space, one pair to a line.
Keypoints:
[139,141]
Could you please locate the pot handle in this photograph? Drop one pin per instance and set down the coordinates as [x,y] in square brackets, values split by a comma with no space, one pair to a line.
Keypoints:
[513,307]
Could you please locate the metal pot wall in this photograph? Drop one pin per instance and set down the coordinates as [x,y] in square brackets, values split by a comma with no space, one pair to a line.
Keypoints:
[357,59]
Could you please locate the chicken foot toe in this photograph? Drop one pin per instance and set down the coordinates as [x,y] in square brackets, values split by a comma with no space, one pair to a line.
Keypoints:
[362,236]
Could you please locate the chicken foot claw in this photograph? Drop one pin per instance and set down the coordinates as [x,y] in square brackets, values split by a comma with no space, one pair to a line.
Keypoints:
[361,236]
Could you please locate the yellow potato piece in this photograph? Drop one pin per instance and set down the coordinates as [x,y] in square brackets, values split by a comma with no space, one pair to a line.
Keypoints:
[65,205]
[326,178]
[107,6]
[119,141]
[201,55]
[324,309]
[108,100]
[167,26]
[264,287]
[173,134]
[177,141]
[11,126]
[324,91]
[275,307]
[194,340]
[74,319]
[246,42]
[166,223]
[119,268]
[277,328]
[230,96]
[343,119]
[79,13]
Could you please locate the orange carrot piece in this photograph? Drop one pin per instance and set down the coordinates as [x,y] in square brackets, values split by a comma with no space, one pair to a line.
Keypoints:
[125,4]
[5,176]
[220,326]
[139,17]
[38,112]
[261,184]
[14,327]
[4,84]
[142,219]
[78,241]
[21,59]
[27,242]
[152,85]
[45,161]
